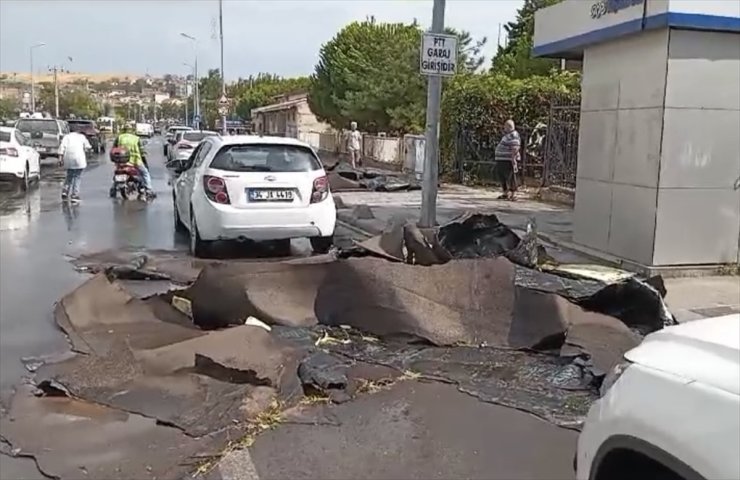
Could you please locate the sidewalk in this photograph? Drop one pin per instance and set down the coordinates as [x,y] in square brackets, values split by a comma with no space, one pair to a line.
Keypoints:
[689,298]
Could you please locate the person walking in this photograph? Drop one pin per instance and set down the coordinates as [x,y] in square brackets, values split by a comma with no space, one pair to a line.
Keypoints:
[354,145]
[73,154]
[507,160]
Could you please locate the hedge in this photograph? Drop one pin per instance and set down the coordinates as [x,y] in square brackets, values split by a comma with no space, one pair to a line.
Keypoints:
[481,103]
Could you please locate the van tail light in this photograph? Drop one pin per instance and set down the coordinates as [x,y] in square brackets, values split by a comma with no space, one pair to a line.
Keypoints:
[10,152]
[320,189]
[215,189]
[185,146]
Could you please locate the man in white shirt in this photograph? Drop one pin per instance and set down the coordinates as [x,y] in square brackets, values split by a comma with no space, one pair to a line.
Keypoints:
[72,153]
[354,144]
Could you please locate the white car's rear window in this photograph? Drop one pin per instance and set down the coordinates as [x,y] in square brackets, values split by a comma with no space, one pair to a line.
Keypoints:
[4,136]
[266,158]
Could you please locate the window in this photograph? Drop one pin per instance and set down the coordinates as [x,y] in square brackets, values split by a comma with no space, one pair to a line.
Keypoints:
[18,137]
[4,136]
[38,125]
[266,158]
[196,136]
[205,147]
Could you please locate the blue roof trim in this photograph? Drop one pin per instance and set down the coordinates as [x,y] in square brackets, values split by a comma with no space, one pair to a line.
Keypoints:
[693,21]
[698,21]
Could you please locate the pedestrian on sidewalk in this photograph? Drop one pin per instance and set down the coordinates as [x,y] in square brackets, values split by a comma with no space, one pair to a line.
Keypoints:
[507,160]
[354,145]
[73,154]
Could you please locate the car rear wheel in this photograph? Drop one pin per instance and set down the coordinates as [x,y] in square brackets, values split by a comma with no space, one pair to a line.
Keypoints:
[322,244]
[198,246]
[25,182]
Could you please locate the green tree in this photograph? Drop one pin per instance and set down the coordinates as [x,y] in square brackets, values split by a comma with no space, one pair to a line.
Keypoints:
[8,108]
[470,52]
[369,73]
[515,59]
[72,101]
[261,90]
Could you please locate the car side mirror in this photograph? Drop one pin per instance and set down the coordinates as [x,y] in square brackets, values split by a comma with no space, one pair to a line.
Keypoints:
[178,166]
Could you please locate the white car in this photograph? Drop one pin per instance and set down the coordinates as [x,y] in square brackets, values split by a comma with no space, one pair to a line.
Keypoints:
[145,130]
[169,138]
[185,143]
[671,411]
[253,188]
[19,162]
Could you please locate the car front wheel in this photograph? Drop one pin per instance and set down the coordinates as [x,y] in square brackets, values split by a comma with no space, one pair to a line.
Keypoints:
[179,227]
[322,244]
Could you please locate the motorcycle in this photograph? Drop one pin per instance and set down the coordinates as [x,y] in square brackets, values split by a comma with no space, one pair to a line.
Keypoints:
[127,181]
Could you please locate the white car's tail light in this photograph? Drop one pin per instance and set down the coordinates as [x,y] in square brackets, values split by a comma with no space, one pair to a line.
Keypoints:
[10,152]
[215,188]
[320,189]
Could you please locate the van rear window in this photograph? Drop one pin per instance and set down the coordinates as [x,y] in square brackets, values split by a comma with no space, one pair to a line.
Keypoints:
[265,158]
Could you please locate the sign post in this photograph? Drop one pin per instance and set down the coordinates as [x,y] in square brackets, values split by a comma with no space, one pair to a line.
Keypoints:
[438,59]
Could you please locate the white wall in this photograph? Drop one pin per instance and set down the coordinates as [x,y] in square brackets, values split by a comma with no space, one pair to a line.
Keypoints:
[698,207]
[619,145]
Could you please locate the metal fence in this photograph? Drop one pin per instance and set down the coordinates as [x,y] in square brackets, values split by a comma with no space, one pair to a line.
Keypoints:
[561,146]
[549,152]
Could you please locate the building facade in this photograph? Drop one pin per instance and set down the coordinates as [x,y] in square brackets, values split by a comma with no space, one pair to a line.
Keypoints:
[658,182]
[289,116]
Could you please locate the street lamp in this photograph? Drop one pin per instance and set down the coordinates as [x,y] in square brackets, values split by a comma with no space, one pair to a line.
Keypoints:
[33,88]
[187,119]
[196,93]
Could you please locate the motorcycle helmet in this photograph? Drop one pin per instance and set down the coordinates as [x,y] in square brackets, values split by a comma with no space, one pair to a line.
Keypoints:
[119,155]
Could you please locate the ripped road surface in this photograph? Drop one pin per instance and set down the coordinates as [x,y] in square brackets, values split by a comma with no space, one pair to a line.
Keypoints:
[162,385]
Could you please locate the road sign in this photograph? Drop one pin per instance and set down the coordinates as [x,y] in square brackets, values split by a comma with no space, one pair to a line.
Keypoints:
[196,118]
[223,101]
[223,110]
[438,54]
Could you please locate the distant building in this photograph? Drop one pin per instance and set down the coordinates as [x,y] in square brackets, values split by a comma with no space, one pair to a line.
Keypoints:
[161,97]
[289,116]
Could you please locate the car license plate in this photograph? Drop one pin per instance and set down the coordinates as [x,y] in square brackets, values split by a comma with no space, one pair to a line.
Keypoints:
[120,178]
[272,195]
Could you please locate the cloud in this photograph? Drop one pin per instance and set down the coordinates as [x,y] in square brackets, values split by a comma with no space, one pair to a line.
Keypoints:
[278,36]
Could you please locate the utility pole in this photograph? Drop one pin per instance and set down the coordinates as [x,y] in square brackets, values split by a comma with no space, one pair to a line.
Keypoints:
[33,83]
[56,91]
[431,149]
[223,76]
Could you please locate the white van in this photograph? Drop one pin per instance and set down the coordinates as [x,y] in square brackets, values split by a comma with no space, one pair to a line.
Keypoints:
[145,130]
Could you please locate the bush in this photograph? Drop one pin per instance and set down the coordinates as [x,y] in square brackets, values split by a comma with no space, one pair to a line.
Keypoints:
[479,104]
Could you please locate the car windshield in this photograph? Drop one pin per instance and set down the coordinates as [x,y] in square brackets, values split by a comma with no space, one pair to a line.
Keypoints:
[4,136]
[266,158]
[196,136]
[76,126]
[37,125]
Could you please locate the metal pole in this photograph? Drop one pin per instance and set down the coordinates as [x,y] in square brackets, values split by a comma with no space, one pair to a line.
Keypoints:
[431,149]
[33,87]
[186,105]
[223,76]
[56,93]
[196,88]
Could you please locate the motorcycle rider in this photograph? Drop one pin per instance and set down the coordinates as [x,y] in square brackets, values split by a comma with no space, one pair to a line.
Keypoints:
[132,143]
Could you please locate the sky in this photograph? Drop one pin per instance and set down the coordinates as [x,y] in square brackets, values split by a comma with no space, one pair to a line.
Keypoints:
[143,36]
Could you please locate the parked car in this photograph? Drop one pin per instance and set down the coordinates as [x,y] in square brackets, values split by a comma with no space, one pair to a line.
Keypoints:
[185,143]
[253,188]
[671,411]
[45,134]
[170,136]
[90,130]
[144,130]
[19,163]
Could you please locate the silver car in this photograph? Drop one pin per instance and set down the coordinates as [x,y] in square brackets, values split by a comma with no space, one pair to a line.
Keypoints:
[44,134]
[185,143]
